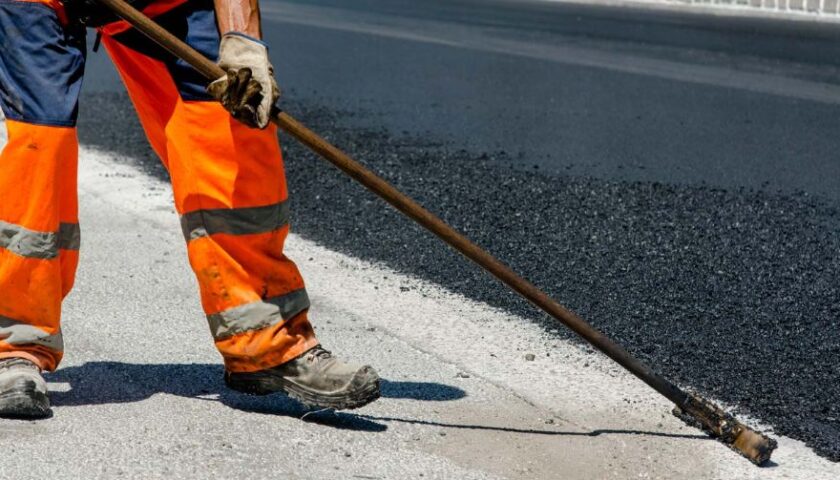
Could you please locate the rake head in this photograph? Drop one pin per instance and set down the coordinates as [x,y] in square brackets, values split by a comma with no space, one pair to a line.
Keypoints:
[703,414]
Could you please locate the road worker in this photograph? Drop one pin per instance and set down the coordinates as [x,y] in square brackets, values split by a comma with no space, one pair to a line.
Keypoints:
[224,161]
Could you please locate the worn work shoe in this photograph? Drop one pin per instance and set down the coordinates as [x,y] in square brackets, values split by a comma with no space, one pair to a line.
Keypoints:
[23,391]
[316,379]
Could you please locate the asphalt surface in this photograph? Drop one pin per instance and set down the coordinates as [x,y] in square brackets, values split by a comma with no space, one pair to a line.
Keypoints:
[674,181]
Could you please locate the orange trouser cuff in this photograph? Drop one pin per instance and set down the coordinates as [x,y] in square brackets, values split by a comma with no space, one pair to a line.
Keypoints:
[269,347]
[46,361]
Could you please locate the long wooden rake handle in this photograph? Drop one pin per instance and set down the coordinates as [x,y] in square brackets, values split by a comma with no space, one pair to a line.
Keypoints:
[428,220]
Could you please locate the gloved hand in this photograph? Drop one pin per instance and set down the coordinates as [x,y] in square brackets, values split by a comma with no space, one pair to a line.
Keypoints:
[248,90]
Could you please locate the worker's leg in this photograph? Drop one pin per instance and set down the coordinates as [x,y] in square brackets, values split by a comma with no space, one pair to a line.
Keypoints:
[230,191]
[41,68]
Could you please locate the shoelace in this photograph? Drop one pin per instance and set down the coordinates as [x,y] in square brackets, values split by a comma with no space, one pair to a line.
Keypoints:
[319,353]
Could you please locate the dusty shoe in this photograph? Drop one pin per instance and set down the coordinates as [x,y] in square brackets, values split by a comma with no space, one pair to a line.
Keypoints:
[23,391]
[316,379]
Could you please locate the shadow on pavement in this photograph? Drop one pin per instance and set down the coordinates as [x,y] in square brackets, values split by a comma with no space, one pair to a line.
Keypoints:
[592,433]
[98,383]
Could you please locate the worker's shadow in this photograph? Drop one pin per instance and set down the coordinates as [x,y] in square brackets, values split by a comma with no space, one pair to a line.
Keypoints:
[97,383]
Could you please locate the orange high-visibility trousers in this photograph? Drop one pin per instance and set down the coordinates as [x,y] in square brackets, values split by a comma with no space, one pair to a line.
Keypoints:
[229,189]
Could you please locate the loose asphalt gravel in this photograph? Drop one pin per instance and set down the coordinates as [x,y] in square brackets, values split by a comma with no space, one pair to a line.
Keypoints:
[732,293]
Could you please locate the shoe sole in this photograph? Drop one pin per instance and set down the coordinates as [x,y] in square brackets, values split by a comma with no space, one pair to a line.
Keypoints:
[358,398]
[24,402]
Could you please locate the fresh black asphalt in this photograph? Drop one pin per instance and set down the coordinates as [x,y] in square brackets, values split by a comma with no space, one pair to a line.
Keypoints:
[697,225]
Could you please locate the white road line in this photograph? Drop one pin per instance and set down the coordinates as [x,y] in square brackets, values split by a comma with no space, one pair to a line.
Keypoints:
[724,8]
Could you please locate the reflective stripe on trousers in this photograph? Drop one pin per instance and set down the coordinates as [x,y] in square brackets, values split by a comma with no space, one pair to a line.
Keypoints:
[258,315]
[14,332]
[32,244]
[238,221]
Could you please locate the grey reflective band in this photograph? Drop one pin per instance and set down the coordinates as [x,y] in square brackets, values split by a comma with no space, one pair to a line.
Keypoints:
[33,244]
[257,315]
[69,236]
[17,333]
[234,221]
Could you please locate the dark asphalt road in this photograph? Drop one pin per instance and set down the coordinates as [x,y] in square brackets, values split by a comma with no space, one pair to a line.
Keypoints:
[671,178]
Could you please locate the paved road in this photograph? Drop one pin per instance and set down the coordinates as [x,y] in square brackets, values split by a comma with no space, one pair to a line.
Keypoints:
[673,181]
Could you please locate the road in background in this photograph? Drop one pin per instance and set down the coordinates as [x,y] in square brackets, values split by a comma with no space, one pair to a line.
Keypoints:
[673,179]
[808,11]
[613,93]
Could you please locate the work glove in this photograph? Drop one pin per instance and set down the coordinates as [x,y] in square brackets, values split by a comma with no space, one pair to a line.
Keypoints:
[248,90]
